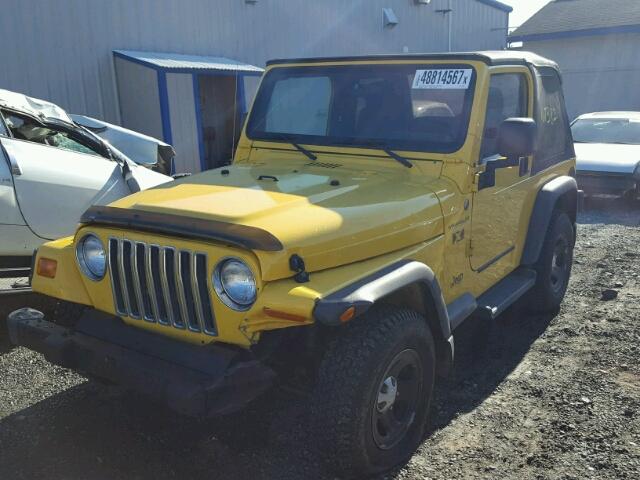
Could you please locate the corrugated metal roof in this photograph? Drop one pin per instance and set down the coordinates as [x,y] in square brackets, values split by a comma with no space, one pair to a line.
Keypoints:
[178,61]
[578,15]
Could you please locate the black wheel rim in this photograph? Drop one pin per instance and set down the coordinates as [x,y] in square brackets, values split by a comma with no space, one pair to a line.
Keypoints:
[397,398]
[559,265]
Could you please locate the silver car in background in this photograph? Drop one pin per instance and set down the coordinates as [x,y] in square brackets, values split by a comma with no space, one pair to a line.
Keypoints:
[54,166]
[607,146]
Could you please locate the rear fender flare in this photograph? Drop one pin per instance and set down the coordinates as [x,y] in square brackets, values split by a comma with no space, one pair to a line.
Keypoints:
[560,192]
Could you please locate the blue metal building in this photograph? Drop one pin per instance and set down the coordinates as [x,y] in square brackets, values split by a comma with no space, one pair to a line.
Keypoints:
[173,68]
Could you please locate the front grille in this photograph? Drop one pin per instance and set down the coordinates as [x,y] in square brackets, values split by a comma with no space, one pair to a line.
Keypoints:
[161,285]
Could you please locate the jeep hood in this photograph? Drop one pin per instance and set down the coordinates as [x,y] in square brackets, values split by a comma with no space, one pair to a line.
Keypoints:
[328,215]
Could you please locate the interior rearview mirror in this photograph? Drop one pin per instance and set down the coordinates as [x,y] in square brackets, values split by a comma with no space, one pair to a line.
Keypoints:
[517,137]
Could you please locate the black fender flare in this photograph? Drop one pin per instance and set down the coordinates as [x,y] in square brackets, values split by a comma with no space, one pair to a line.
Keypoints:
[563,188]
[365,292]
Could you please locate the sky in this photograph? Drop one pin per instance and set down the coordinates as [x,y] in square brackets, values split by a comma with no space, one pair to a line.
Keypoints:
[523,10]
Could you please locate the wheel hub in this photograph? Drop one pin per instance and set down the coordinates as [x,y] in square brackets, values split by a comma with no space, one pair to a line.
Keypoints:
[399,394]
[387,394]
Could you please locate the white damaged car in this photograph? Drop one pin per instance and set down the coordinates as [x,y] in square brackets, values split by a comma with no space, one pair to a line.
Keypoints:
[52,169]
[607,146]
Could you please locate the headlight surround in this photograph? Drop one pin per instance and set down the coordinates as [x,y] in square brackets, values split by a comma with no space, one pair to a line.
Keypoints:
[91,257]
[235,284]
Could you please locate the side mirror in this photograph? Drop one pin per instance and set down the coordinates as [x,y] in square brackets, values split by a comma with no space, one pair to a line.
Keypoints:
[517,137]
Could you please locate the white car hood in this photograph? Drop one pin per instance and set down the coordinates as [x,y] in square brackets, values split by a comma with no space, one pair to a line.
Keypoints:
[138,147]
[607,157]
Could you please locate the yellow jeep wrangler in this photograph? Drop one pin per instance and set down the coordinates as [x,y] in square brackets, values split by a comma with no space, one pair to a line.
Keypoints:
[373,204]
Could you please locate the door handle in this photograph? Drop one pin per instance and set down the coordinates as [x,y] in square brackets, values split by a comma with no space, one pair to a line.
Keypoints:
[487,178]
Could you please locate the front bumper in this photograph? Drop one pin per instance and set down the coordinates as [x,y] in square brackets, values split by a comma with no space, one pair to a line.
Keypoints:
[195,380]
[605,182]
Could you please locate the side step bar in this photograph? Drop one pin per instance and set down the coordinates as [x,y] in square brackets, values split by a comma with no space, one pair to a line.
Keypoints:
[505,293]
[495,300]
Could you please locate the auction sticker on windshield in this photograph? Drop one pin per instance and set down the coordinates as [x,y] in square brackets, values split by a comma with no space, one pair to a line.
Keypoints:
[443,78]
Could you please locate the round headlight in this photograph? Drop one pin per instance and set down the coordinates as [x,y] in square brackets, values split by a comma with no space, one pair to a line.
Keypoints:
[235,284]
[91,257]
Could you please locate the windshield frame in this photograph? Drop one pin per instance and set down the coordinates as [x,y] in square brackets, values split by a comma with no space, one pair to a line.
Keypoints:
[264,93]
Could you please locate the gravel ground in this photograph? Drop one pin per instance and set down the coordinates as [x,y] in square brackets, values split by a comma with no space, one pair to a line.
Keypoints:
[552,397]
[12,283]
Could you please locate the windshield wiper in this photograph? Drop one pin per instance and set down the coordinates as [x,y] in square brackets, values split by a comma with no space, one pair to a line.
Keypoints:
[304,150]
[397,157]
[401,160]
[298,147]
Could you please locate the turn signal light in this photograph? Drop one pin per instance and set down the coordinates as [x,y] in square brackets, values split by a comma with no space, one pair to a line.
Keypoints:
[348,314]
[47,267]
[283,315]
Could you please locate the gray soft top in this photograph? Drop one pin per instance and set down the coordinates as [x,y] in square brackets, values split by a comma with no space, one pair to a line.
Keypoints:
[490,57]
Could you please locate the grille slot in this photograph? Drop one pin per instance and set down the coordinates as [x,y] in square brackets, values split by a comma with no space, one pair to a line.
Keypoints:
[161,285]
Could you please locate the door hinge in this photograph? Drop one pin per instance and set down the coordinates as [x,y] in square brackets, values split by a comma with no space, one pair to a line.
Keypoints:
[476,182]
[469,251]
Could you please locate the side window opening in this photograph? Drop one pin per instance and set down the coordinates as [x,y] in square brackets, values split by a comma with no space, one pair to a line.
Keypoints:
[554,137]
[508,98]
[24,128]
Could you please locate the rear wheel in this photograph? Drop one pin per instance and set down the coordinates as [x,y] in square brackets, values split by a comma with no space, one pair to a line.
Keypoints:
[374,388]
[554,265]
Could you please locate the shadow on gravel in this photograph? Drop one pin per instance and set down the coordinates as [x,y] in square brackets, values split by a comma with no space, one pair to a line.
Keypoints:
[93,431]
[5,345]
[485,355]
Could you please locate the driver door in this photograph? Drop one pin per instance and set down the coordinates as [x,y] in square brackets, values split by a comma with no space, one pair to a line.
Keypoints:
[497,205]
[54,185]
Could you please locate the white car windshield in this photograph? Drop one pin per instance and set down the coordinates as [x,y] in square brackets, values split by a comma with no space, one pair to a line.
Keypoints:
[606,130]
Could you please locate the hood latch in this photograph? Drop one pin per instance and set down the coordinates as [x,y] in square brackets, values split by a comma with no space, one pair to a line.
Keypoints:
[296,264]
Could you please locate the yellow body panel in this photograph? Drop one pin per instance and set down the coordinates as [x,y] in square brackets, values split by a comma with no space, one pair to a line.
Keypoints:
[365,216]
[346,222]
[68,283]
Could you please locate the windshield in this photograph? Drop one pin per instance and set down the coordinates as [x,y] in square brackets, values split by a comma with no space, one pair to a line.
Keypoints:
[606,130]
[406,107]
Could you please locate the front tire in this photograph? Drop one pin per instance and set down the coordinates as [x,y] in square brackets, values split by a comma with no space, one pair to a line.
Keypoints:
[374,389]
[554,265]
